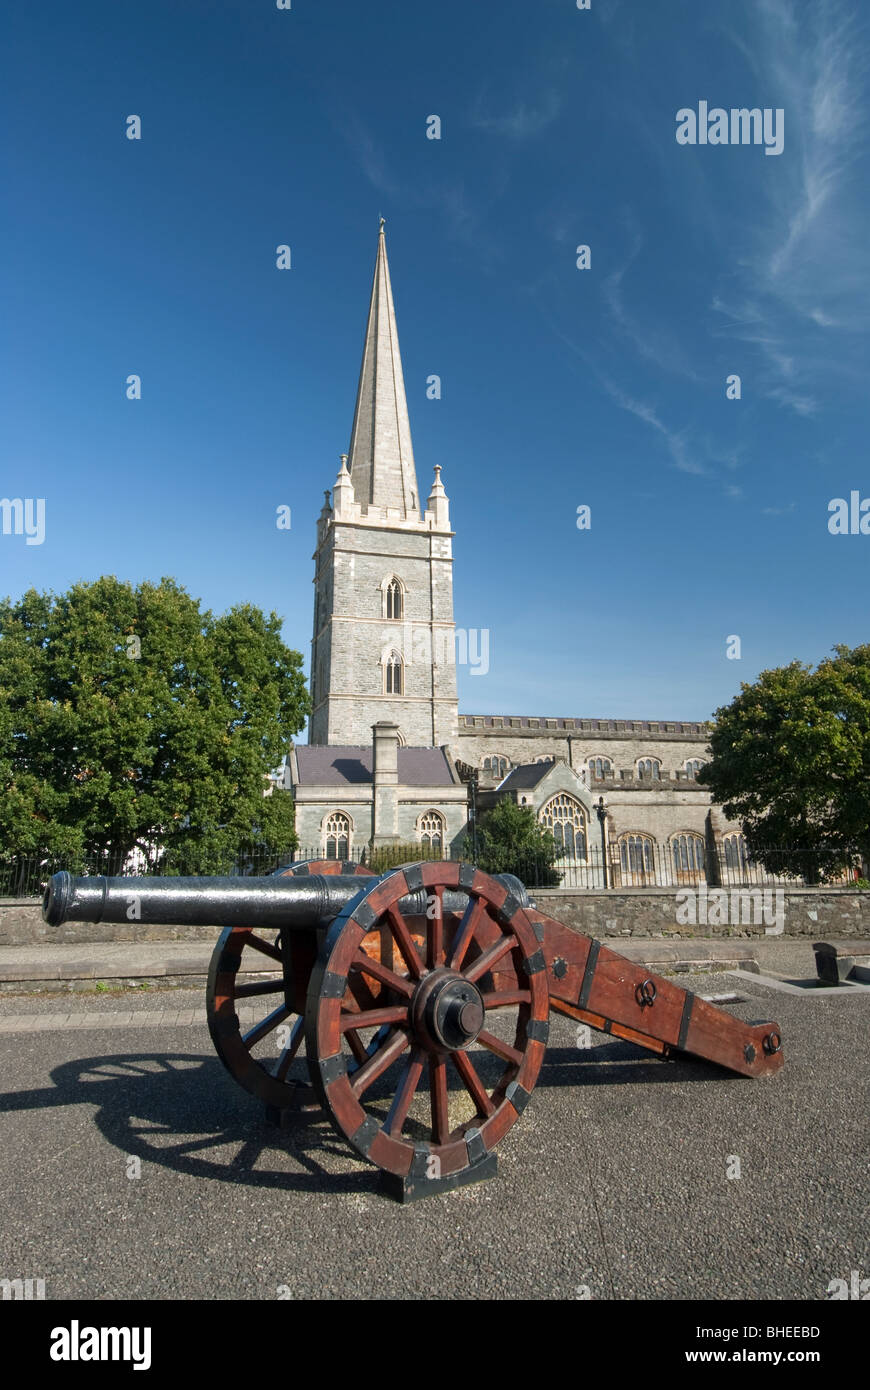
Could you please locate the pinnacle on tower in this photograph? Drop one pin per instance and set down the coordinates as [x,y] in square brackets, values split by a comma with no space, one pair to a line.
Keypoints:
[438,503]
[342,492]
[381,457]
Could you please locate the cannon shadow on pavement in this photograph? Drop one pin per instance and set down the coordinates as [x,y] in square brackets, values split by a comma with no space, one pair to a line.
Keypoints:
[183,1112]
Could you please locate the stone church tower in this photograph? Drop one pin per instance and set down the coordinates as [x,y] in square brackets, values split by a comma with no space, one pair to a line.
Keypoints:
[383,643]
[390,760]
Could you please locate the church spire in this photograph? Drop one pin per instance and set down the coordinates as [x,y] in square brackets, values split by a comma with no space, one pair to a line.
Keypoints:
[381,458]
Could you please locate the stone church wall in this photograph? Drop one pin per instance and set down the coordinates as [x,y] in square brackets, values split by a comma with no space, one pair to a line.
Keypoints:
[659,807]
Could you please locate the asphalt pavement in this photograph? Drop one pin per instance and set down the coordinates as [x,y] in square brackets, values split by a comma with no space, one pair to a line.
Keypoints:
[614,1183]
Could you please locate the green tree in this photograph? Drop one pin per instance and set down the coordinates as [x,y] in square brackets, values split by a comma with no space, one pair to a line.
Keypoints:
[383,858]
[791,762]
[128,717]
[510,841]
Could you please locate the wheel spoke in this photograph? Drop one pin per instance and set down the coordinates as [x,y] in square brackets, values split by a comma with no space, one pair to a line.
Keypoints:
[467,927]
[380,1037]
[473,1084]
[266,1025]
[489,958]
[266,947]
[405,942]
[373,1018]
[357,1047]
[499,999]
[360,991]
[438,1094]
[501,1049]
[378,1063]
[435,934]
[405,1092]
[260,987]
[366,966]
[294,1042]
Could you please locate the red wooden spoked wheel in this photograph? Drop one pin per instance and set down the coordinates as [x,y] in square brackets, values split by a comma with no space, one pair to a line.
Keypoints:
[261,1057]
[457,999]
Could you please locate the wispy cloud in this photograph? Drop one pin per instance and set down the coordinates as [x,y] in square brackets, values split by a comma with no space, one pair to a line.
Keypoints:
[804,290]
[778,381]
[371,154]
[682,455]
[778,511]
[816,60]
[461,209]
[523,122]
[650,342]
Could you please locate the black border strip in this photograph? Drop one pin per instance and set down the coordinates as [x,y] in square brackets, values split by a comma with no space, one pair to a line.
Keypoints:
[588,974]
[688,1005]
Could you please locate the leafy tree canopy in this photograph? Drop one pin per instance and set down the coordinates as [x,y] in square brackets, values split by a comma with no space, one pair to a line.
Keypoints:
[510,841]
[791,761]
[128,718]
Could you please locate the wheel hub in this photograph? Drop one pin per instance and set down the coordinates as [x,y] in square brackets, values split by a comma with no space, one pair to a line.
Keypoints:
[447,1011]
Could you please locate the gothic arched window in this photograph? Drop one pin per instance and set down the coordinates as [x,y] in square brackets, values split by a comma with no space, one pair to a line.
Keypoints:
[649,767]
[394,606]
[737,857]
[394,675]
[431,827]
[637,858]
[693,767]
[496,765]
[565,818]
[600,768]
[689,855]
[337,834]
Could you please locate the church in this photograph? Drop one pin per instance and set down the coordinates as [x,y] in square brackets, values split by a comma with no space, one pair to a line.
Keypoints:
[389,757]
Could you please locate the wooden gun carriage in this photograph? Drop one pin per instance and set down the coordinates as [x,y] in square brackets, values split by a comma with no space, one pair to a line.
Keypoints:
[398,985]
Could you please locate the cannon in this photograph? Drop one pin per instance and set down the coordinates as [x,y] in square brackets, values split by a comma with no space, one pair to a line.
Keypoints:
[422,998]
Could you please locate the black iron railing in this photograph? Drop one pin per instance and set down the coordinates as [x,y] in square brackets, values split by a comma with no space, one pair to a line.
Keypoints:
[634,863]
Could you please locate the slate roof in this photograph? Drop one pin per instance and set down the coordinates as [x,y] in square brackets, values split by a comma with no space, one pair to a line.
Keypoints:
[526,775]
[349,765]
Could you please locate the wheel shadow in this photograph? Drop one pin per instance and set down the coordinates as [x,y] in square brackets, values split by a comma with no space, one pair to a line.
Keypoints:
[183,1112]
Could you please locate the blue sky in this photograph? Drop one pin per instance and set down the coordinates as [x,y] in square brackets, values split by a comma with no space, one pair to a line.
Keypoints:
[561,387]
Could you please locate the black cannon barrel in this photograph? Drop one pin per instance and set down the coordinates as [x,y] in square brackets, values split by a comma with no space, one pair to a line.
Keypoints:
[312,900]
[200,902]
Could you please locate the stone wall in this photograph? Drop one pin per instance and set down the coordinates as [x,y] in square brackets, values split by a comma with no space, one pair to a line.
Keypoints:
[21,924]
[641,912]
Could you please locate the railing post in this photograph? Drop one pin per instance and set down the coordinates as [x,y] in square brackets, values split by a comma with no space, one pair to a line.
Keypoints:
[601,812]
